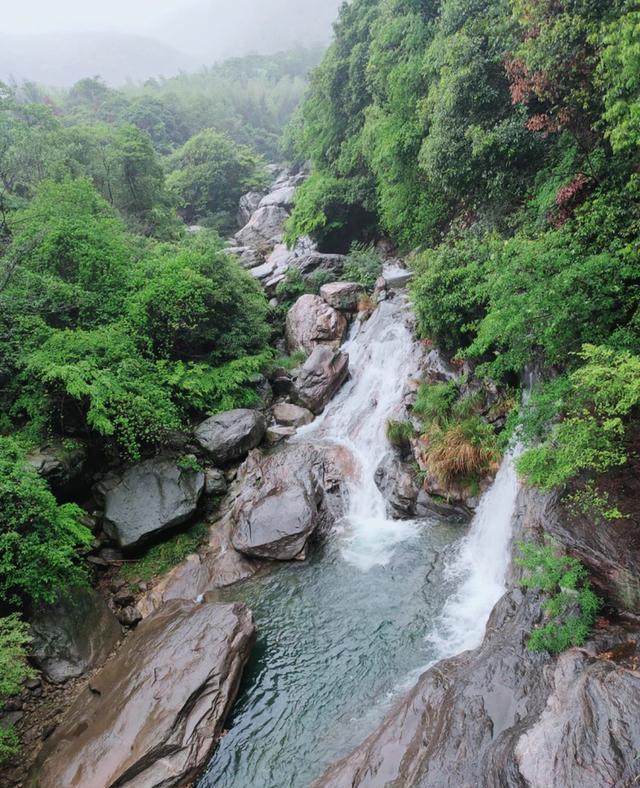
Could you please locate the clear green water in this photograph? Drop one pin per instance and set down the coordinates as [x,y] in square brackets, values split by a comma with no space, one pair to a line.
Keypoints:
[336,647]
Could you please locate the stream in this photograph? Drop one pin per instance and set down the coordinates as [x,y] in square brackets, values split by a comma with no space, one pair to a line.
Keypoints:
[346,633]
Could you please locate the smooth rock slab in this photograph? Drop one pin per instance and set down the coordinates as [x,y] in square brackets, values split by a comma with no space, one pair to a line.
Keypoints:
[73,635]
[231,435]
[289,415]
[320,377]
[312,322]
[264,230]
[151,717]
[148,498]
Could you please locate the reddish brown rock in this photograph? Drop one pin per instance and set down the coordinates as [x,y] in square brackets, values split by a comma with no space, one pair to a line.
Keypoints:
[312,322]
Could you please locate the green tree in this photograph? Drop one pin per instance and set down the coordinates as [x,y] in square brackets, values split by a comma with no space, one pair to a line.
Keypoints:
[210,173]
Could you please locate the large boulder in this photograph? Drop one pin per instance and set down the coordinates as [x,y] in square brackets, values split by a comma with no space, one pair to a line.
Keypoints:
[152,716]
[282,196]
[264,230]
[312,322]
[320,377]
[311,262]
[290,415]
[149,498]
[229,436]
[282,503]
[73,635]
[249,204]
[248,257]
[342,295]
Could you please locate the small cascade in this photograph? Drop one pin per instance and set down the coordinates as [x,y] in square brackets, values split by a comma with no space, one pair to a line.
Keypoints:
[382,356]
[480,564]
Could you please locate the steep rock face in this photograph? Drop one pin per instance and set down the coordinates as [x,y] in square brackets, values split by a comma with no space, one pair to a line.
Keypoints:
[503,716]
[312,322]
[230,436]
[284,499]
[148,498]
[73,635]
[249,204]
[320,377]
[152,716]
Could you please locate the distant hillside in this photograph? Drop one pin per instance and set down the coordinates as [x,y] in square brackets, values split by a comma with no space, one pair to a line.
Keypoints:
[219,29]
[63,58]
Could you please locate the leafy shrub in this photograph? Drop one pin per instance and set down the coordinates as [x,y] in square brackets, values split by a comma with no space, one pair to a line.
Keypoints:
[210,173]
[39,539]
[571,605]
[199,305]
[363,265]
[448,291]
[14,669]
[595,401]
[68,261]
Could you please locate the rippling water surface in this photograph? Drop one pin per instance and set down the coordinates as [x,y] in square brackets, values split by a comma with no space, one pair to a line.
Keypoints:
[336,645]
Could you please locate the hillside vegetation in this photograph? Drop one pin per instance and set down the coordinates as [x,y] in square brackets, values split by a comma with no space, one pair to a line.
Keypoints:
[499,139]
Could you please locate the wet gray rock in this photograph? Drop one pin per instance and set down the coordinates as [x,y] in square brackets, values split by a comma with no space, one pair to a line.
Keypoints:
[264,230]
[214,482]
[501,715]
[277,434]
[312,261]
[343,296]
[312,322]
[282,196]
[152,716]
[73,635]
[284,500]
[405,497]
[229,436]
[247,257]
[320,377]
[289,415]
[149,498]
[249,204]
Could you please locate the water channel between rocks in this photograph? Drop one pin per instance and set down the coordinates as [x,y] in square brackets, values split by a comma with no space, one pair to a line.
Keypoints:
[342,635]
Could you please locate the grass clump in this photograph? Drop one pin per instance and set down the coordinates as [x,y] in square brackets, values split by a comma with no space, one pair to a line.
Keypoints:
[162,557]
[399,433]
[571,606]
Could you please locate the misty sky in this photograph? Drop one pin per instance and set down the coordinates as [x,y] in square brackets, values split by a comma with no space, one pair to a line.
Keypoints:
[46,16]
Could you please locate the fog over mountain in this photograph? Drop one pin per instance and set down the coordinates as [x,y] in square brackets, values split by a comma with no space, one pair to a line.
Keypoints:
[58,43]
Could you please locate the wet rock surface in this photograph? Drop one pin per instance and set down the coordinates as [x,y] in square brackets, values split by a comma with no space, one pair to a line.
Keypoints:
[152,716]
[501,715]
[73,635]
[264,229]
[312,322]
[283,501]
[59,464]
[289,415]
[342,295]
[149,498]
[230,436]
[320,377]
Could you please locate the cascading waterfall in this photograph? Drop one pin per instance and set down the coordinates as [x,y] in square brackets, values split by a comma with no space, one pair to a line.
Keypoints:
[382,356]
[342,634]
[480,564]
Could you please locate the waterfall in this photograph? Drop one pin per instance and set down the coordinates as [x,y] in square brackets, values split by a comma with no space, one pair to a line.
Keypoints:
[480,564]
[382,357]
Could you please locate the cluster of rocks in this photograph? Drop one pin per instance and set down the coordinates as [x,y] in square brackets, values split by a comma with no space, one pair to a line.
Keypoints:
[259,246]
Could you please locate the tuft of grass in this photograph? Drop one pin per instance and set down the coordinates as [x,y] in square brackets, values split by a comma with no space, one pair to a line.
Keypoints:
[461,450]
[399,433]
[289,362]
[434,402]
[160,558]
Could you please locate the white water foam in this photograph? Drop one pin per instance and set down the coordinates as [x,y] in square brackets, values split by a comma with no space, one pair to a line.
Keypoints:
[481,564]
[382,356]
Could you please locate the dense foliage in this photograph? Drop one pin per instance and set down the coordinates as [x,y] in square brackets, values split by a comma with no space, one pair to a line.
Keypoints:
[14,643]
[571,605]
[501,138]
